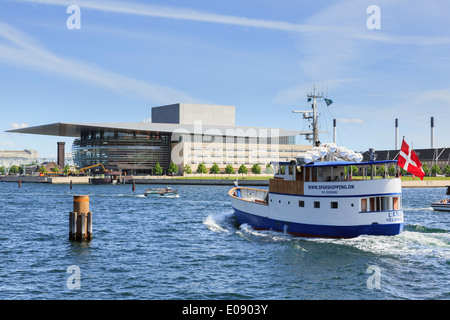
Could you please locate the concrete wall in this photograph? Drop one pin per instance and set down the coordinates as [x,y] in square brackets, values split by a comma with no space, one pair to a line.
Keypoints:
[189,113]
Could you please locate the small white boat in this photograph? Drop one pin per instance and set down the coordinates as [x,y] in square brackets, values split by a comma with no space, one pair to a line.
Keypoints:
[167,192]
[443,205]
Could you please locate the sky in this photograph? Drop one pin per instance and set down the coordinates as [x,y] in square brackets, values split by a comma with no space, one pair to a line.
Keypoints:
[261,56]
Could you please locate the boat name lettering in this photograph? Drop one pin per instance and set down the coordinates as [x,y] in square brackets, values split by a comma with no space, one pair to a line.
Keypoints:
[395,216]
[331,186]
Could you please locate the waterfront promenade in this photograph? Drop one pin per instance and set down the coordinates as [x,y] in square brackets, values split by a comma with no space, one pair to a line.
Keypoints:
[206,179]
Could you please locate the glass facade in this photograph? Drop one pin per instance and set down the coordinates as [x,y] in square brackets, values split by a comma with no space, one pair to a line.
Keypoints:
[130,151]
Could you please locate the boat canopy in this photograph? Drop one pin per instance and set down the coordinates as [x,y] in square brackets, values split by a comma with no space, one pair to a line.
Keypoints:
[346,163]
[336,163]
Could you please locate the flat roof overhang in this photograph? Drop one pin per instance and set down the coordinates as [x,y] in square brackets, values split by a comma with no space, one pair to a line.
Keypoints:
[74,129]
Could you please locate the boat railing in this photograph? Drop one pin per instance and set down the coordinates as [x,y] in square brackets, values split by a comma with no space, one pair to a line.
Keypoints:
[249,194]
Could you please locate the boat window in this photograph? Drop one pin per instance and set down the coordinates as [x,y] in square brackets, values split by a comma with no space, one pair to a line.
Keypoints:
[396,203]
[364,205]
[334,205]
[301,203]
[380,204]
[291,170]
[316,204]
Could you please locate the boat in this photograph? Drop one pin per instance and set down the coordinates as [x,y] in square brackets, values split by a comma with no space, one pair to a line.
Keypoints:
[315,195]
[167,192]
[443,205]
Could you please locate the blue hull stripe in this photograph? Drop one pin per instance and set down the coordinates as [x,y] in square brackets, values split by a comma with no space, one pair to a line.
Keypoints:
[338,196]
[311,230]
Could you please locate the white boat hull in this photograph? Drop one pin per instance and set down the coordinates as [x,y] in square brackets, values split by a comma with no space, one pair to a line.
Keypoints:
[330,209]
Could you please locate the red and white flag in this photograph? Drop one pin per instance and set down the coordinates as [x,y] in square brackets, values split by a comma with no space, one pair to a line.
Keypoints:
[409,161]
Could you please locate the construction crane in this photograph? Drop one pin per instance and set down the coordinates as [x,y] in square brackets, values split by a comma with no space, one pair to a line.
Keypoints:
[93,166]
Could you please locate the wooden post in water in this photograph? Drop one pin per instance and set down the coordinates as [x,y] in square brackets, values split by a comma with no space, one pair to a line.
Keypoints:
[80,220]
[134,186]
[19,183]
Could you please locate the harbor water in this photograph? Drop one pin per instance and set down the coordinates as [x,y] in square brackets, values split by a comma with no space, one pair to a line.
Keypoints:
[190,248]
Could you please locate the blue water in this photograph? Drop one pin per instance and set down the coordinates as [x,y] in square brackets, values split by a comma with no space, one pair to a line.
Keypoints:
[190,248]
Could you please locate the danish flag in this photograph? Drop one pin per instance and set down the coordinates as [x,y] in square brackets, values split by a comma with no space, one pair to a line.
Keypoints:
[409,161]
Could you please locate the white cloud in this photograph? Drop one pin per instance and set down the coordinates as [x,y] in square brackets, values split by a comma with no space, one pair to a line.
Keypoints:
[19,126]
[148,120]
[27,53]
[345,18]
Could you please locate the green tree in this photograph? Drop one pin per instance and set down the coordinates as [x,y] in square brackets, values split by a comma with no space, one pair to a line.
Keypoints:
[256,169]
[214,169]
[391,171]
[157,169]
[66,169]
[242,169]
[380,170]
[201,168]
[2,170]
[269,168]
[426,169]
[187,169]
[173,168]
[435,169]
[229,169]
[14,169]
[55,169]
[43,169]
[447,169]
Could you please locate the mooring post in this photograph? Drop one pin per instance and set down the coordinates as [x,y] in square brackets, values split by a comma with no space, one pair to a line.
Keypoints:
[19,183]
[134,186]
[80,220]
[70,184]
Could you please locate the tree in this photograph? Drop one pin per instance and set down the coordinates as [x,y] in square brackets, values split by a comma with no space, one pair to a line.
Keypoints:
[14,169]
[173,168]
[157,169]
[66,169]
[425,169]
[201,168]
[2,170]
[214,169]
[269,168]
[256,169]
[229,169]
[391,171]
[55,169]
[187,169]
[242,169]
[435,169]
[446,169]
[43,169]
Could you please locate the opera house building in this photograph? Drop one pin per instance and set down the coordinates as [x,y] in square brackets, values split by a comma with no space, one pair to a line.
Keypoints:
[180,133]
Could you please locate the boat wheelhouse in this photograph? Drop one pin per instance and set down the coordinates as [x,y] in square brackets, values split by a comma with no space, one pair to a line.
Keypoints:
[323,199]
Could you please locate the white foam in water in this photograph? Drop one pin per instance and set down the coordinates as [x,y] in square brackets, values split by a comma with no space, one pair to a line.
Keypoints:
[216,221]
[264,234]
[405,244]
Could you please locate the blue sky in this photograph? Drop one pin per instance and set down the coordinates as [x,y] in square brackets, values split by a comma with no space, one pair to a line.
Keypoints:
[261,56]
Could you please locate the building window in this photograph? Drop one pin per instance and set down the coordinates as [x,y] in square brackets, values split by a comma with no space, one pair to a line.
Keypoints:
[301,203]
[317,204]
[334,205]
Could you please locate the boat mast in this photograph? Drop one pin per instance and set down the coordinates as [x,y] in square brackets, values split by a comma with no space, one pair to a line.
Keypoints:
[315,124]
[307,115]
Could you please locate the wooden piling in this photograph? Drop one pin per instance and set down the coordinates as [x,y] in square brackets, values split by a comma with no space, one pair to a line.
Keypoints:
[70,184]
[19,183]
[134,185]
[80,220]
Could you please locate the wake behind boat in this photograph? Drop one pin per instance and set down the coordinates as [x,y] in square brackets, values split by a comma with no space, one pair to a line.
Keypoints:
[167,192]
